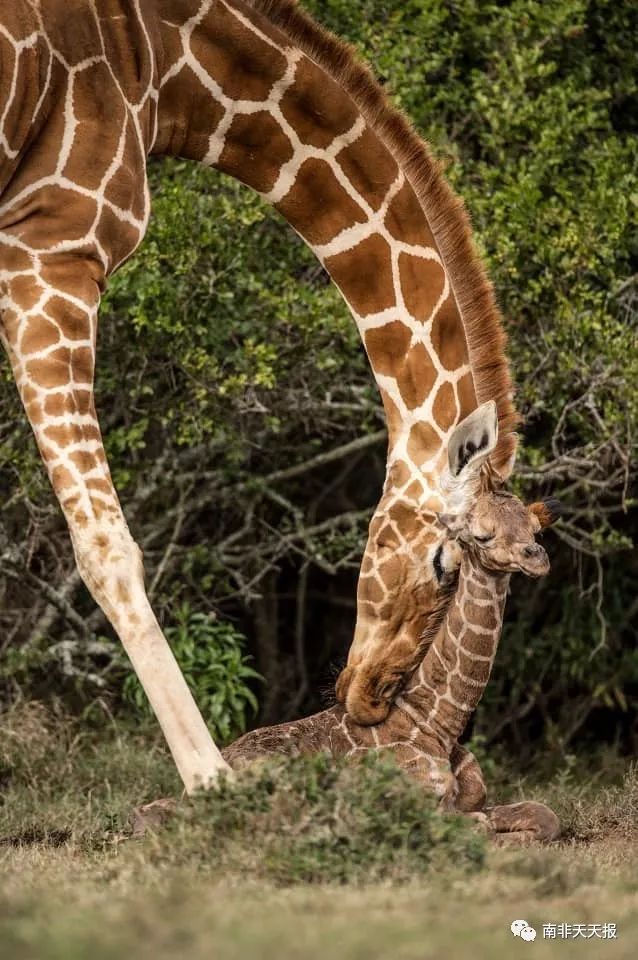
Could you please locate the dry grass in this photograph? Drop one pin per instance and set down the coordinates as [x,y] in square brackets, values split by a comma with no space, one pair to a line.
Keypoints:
[69,890]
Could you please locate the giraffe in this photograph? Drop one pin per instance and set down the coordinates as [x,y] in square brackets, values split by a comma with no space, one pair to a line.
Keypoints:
[423,727]
[88,90]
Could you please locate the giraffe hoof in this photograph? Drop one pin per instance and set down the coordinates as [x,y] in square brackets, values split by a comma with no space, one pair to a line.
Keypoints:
[151,816]
[481,820]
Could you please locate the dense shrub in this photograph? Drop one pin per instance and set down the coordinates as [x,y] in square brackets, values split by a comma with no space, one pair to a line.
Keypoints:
[324,820]
[243,425]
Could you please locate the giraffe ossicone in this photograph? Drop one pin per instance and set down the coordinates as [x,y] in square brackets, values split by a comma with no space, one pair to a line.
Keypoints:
[257,90]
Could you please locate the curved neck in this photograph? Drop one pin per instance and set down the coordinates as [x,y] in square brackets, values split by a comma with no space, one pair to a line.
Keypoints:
[239,95]
[450,682]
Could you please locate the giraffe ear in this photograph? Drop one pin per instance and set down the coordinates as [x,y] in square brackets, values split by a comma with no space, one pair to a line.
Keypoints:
[473,440]
[546,512]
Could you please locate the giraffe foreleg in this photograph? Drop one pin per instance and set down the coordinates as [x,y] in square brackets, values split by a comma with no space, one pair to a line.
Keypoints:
[524,822]
[471,792]
[49,334]
[511,823]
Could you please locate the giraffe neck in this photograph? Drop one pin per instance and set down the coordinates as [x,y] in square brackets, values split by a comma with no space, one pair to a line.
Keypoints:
[239,95]
[431,714]
[449,684]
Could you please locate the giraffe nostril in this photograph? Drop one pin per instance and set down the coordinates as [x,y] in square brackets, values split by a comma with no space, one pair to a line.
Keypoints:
[533,550]
[387,691]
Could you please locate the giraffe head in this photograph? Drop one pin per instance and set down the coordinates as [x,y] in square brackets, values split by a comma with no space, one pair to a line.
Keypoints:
[407,582]
[500,530]
[494,525]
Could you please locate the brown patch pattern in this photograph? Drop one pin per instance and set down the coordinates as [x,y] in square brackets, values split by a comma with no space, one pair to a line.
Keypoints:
[316,107]
[371,169]
[317,206]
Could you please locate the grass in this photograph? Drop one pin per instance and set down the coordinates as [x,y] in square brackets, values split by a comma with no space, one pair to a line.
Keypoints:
[303,860]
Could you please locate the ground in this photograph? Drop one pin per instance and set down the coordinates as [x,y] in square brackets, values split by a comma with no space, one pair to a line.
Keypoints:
[71,887]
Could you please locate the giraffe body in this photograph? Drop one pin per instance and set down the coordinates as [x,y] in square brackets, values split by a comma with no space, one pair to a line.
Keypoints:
[90,89]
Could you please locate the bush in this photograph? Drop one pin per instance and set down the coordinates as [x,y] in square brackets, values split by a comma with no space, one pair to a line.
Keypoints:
[319,820]
[305,819]
[212,659]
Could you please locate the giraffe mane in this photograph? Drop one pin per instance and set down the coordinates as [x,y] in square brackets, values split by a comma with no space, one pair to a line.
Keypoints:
[446,213]
[436,616]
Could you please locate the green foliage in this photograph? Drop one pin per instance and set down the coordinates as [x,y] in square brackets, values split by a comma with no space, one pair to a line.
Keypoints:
[225,359]
[320,820]
[522,100]
[211,656]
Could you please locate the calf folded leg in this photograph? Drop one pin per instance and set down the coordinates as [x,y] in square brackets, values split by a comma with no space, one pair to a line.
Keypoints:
[523,822]
[471,793]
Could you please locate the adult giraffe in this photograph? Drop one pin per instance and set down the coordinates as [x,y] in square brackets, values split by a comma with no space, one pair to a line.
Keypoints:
[90,88]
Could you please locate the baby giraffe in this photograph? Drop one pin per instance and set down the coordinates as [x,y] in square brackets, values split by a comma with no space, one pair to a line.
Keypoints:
[430,714]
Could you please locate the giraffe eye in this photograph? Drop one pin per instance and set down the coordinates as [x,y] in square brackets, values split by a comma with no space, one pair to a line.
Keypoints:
[485,538]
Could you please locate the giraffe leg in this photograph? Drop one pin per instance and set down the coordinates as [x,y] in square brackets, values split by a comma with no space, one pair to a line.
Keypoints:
[471,792]
[433,772]
[510,823]
[523,822]
[48,329]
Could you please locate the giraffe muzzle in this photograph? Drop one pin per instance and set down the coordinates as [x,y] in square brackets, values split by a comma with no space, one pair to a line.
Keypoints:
[367,712]
[368,699]
[534,561]
[343,683]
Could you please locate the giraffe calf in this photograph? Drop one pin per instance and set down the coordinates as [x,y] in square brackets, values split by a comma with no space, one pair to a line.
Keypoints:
[423,727]
[458,781]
